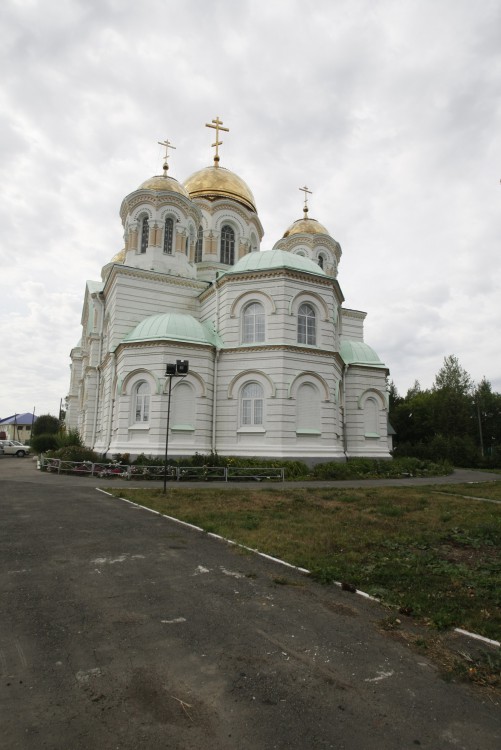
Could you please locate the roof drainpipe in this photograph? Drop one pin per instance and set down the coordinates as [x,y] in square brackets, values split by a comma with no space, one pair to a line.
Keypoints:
[214,403]
[343,408]
[216,360]
[99,297]
[112,403]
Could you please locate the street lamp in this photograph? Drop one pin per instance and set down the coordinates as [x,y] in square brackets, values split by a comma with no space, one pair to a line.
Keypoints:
[177,369]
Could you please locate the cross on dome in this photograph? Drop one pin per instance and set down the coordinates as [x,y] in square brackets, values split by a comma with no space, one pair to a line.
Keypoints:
[167,145]
[306,192]
[217,126]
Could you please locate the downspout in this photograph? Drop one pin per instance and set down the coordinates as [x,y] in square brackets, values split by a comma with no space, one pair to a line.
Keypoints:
[112,404]
[343,408]
[216,360]
[214,403]
[98,297]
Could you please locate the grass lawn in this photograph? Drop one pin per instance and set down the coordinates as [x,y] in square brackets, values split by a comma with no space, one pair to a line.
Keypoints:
[433,552]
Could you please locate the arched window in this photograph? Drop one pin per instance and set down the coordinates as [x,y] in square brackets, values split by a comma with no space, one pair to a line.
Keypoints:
[251,404]
[371,418]
[253,323]
[168,235]
[321,261]
[142,403]
[306,325]
[145,234]
[199,245]
[227,245]
[308,408]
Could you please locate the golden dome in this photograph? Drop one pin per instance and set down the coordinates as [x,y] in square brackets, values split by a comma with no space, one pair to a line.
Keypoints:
[163,182]
[119,257]
[218,182]
[306,226]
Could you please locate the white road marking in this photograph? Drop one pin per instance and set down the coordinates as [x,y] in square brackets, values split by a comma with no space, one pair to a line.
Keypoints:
[380,676]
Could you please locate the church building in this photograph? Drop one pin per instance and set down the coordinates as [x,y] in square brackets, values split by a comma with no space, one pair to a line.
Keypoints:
[278,366]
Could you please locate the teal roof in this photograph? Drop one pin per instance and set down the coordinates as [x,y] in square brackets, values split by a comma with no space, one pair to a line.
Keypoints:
[268,259]
[95,286]
[176,327]
[358,353]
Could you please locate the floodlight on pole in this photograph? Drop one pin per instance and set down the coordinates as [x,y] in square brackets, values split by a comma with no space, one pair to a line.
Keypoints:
[177,369]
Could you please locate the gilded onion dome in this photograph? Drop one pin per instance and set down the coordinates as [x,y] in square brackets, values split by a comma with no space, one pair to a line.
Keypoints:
[218,182]
[163,183]
[119,257]
[306,226]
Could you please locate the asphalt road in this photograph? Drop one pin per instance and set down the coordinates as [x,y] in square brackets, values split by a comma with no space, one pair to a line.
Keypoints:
[122,630]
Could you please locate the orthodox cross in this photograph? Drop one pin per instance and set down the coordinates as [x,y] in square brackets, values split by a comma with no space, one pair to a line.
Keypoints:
[217,126]
[306,192]
[167,145]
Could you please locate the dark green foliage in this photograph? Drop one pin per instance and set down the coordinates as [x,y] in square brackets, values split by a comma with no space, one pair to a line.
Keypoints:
[454,421]
[44,442]
[75,453]
[46,424]
[366,468]
[68,437]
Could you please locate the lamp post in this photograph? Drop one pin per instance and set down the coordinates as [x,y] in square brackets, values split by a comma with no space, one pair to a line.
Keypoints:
[177,369]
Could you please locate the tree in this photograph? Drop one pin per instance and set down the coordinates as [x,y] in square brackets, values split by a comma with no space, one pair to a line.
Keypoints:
[453,377]
[488,416]
[46,424]
[453,403]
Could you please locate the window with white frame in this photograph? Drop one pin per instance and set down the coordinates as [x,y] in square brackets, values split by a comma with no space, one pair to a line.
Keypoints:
[253,323]
[251,405]
[142,403]
[321,261]
[227,254]
[308,409]
[199,246]
[145,234]
[168,235]
[306,325]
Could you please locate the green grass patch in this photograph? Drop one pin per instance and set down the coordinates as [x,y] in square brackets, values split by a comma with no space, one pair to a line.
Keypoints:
[426,550]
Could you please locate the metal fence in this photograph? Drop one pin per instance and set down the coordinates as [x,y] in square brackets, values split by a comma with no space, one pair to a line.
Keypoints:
[174,473]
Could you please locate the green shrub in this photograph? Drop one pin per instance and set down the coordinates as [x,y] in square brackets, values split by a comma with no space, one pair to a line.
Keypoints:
[76,453]
[44,442]
[68,437]
[367,468]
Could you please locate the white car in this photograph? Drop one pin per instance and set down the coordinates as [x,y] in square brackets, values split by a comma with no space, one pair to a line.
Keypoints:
[14,448]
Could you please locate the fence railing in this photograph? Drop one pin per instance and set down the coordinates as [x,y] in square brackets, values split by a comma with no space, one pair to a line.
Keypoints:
[174,473]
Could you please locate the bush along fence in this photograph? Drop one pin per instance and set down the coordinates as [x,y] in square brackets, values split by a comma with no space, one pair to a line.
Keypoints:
[174,473]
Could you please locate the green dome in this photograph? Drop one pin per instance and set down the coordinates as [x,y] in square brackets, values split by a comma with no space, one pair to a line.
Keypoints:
[268,259]
[173,326]
[358,353]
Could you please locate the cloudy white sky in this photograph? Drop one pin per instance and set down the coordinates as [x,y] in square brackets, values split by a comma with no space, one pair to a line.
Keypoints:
[389,110]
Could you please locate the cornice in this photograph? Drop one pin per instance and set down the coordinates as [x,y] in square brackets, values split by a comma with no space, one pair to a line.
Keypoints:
[216,203]
[164,278]
[157,200]
[156,342]
[357,314]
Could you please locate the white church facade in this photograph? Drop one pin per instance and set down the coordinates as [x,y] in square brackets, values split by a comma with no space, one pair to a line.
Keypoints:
[278,366]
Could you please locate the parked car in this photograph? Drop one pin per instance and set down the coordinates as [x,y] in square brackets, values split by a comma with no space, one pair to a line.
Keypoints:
[14,448]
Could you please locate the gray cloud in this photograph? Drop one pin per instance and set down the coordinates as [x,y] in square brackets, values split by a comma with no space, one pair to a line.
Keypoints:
[389,111]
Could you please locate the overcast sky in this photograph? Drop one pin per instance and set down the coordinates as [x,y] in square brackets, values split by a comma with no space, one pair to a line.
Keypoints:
[389,110]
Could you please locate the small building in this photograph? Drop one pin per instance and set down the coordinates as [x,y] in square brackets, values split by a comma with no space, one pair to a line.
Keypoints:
[17,427]
[278,365]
